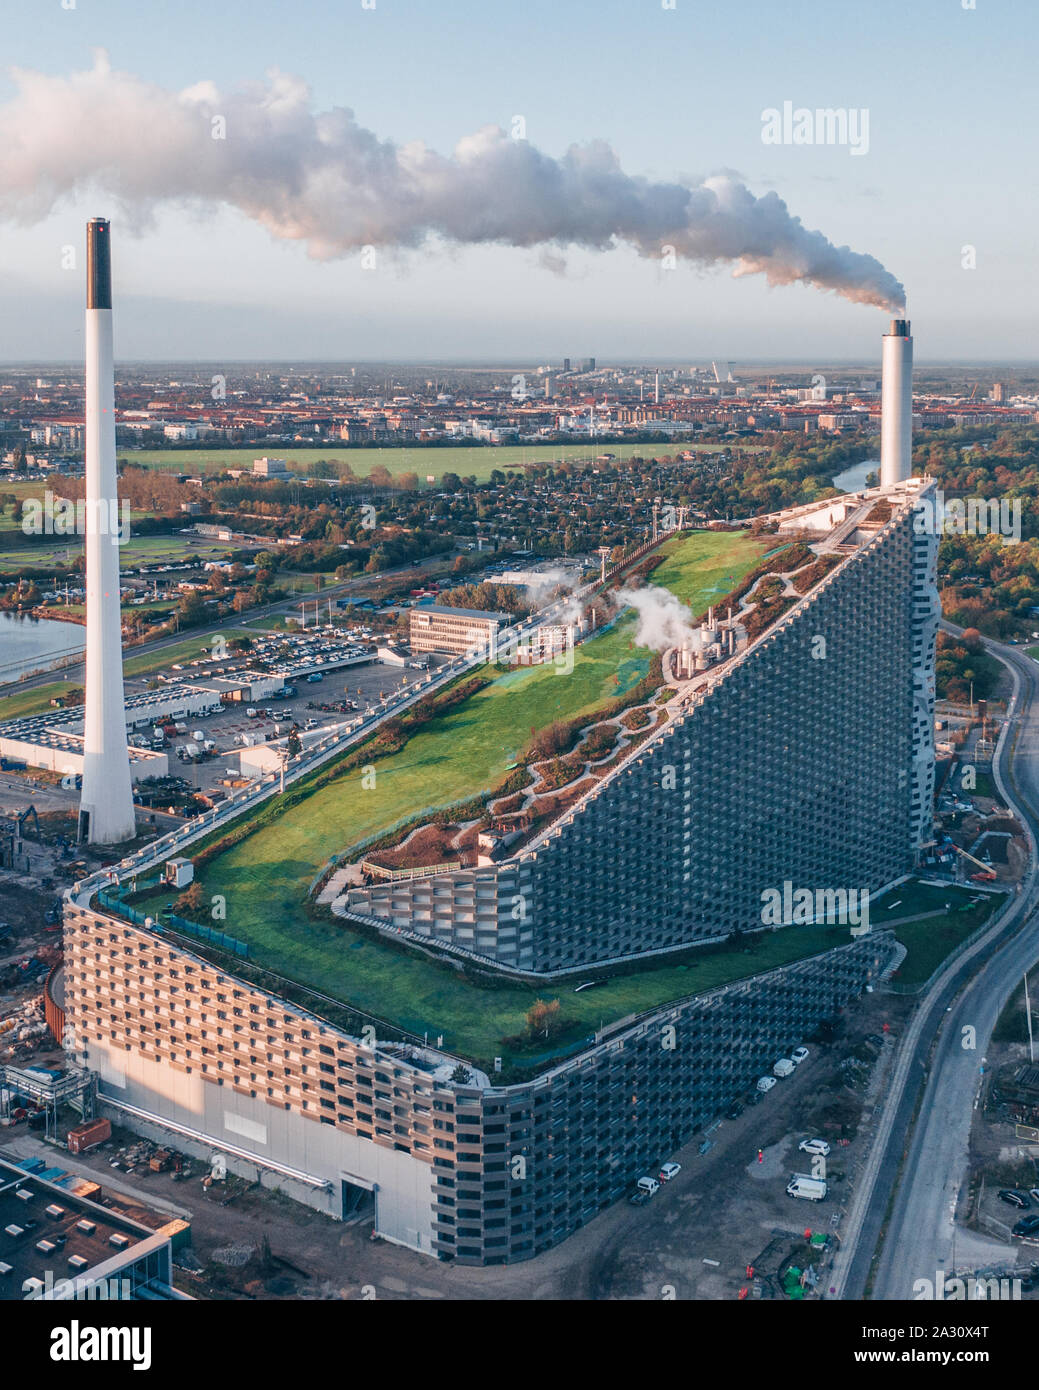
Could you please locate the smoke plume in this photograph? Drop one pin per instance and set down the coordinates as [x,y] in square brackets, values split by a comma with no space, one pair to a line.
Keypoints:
[544,583]
[664,620]
[323,179]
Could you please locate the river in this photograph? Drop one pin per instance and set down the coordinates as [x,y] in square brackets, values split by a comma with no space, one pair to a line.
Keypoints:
[27,643]
[853,479]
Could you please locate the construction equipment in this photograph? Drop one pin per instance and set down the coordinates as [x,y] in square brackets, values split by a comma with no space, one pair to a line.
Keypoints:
[986,875]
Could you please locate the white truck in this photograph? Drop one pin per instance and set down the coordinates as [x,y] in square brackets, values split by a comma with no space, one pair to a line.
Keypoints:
[802,1185]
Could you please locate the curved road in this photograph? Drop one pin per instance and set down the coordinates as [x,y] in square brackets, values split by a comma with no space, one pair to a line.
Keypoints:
[921,1237]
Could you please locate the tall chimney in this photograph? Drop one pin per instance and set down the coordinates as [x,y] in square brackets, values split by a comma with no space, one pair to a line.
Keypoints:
[106,810]
[896,405]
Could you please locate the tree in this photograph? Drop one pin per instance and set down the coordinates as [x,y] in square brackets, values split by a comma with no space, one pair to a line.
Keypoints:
[190,609]
[295,743]
[190,903]
[461,1075]
[543,1018]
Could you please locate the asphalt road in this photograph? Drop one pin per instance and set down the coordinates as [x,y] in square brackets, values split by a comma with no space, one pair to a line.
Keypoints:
[969,995]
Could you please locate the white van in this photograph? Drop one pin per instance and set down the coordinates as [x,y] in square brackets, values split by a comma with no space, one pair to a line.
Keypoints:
[783,1067]
[801,1185]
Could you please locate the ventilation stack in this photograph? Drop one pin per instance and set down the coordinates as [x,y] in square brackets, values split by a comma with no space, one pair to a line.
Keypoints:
[106,811]
[896,404]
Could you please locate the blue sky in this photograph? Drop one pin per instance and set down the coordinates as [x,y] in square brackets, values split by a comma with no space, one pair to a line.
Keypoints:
[677,93]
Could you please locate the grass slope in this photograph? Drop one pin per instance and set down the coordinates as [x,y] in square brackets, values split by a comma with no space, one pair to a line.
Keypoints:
[265,878]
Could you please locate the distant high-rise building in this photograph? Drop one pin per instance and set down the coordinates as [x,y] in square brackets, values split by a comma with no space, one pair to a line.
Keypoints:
[590,365]
[566,364]
[999,393]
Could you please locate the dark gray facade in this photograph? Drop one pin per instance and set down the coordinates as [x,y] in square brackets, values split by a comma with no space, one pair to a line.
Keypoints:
[533,1162]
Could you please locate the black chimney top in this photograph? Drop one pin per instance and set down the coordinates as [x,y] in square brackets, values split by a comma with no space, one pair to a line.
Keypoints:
[99,264]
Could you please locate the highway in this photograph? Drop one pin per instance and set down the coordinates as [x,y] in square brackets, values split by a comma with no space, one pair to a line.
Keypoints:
[969,994]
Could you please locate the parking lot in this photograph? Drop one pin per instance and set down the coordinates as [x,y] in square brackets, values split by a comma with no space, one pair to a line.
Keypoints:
[326,699]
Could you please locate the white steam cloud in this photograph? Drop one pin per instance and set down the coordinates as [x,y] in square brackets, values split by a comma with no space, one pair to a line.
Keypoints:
[323,179]
[664,620]
[543,582]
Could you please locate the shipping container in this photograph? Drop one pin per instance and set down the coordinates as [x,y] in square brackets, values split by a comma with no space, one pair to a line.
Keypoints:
[89,1134]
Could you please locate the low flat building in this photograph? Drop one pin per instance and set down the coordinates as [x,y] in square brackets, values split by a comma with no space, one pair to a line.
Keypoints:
[56,1244]
[433,628]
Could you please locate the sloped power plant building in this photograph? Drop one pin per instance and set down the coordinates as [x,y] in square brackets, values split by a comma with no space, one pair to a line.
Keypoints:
[809,759]
[792,767]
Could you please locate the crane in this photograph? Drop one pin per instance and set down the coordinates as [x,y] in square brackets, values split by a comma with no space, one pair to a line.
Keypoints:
[987,874]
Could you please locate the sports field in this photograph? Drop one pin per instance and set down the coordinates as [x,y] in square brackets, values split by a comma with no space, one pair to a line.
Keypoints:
[478,462]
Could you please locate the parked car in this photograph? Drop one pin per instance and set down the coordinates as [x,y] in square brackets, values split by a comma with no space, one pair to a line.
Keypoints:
[783,1067]
[1014,1199]
[1027,1226]
[648,1185]
[814,1146]
[639,1198]
[802,1185]
[734,1111]
[799,1055]
[765,1083]
[669,1171]
[1033,1192]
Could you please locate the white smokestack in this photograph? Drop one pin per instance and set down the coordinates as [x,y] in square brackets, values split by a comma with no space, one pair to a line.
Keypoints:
[106,806]
[896,420]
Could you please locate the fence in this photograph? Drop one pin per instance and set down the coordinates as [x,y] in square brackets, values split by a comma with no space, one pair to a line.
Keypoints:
[217,938]
[113,900]
[402,875]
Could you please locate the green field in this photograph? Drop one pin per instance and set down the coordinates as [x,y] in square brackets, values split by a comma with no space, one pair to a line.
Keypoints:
[424,461]
[464,752]
[138,550]
[938,933]
[265,878]
[702,568]
[34,701]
